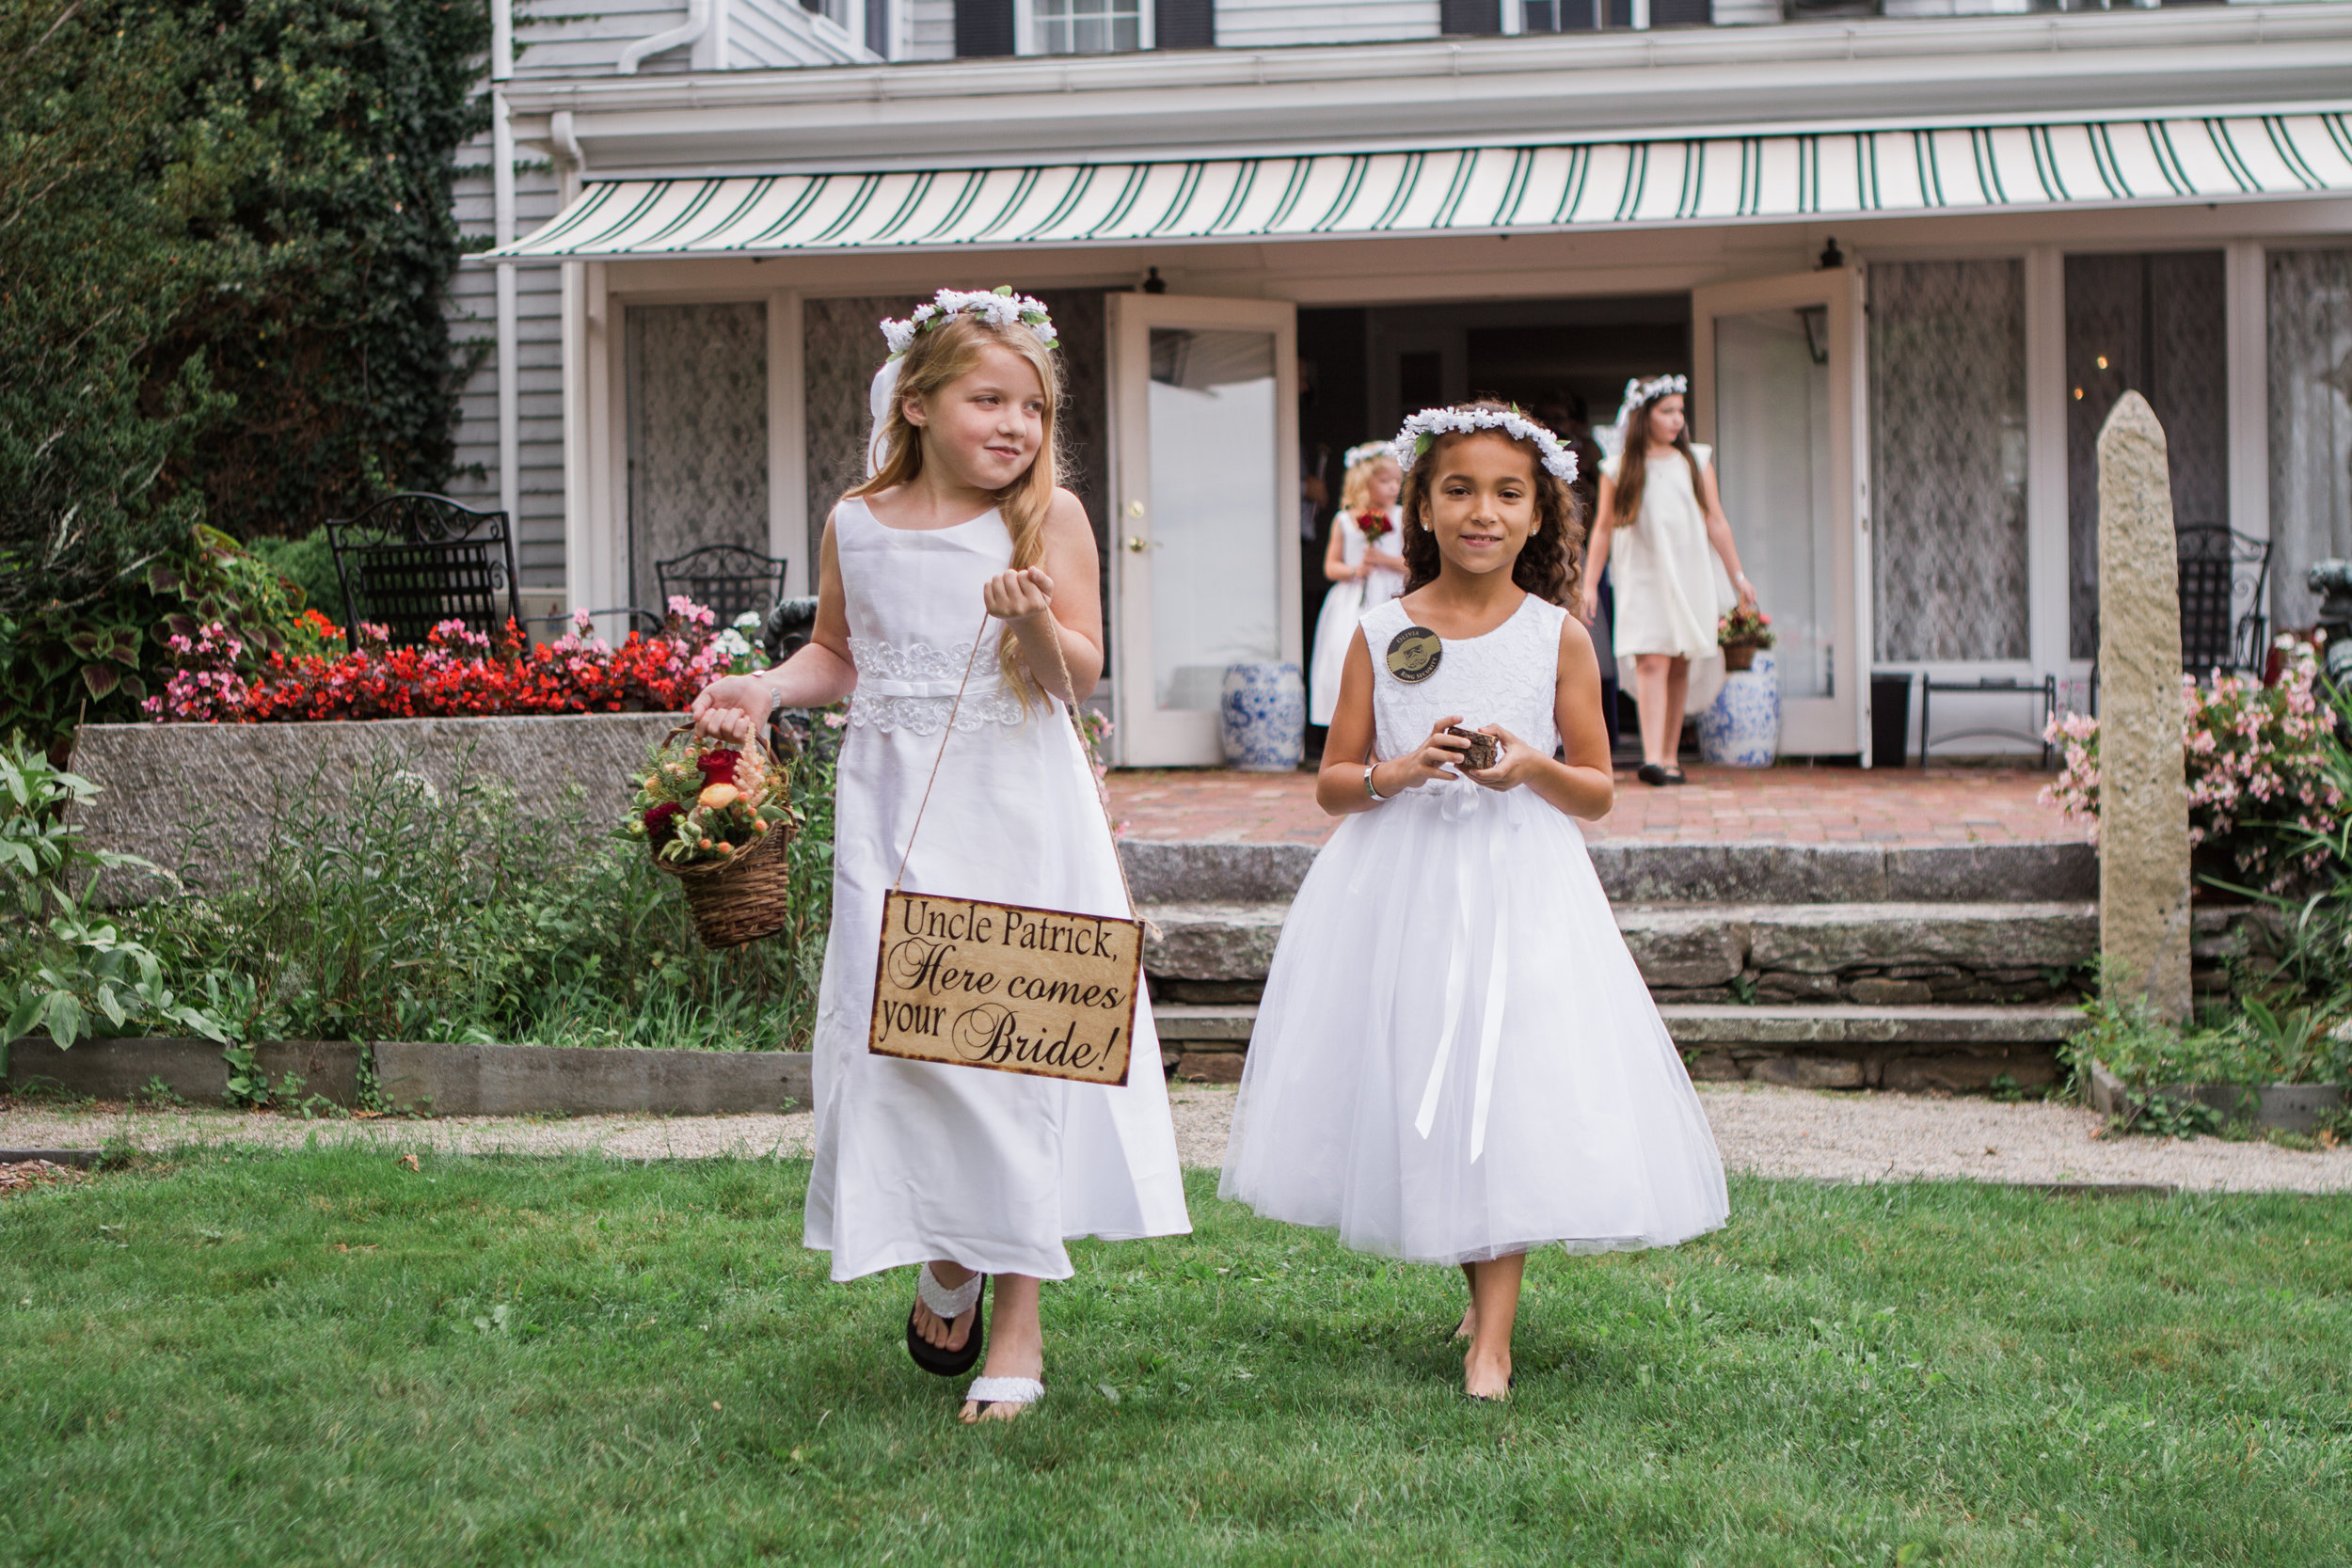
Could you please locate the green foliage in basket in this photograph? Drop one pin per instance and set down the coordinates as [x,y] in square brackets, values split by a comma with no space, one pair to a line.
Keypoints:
[704,801]
[1742,628]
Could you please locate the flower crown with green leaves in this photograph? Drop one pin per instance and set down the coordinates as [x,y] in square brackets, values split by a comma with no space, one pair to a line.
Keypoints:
[1421,431]
[1363,453]
[1000,307]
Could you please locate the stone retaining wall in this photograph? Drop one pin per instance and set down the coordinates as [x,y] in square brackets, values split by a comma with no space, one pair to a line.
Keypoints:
[198,799]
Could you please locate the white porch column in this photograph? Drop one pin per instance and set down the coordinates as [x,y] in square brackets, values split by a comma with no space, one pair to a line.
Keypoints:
[2046,554]
[2245,293]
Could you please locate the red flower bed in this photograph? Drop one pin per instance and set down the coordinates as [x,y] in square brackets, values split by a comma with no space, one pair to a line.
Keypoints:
[456,674]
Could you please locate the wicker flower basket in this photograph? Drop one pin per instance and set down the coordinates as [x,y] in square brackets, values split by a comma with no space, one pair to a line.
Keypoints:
[1738,656]
[749,894]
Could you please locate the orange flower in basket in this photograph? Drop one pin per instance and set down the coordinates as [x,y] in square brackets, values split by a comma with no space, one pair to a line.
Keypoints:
[718,795]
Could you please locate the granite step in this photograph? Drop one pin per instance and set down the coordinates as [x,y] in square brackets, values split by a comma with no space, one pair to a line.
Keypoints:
[1819,1046]
[1893,952]
[1638,870]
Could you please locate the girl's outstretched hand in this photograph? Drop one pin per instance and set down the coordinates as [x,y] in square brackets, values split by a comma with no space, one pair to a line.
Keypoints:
[1588,606]
[1018,595]
[732,709]
[1512,769]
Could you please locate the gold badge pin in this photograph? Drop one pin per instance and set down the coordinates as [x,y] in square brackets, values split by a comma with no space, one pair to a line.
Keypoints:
[1414,653]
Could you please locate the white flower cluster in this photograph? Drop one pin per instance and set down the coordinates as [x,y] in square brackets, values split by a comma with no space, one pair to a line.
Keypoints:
[1363,453]
[1424,429]
[1638,393]
[999,308]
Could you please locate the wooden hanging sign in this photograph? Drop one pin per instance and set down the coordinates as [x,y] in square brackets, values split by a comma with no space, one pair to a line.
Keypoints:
[1006,987]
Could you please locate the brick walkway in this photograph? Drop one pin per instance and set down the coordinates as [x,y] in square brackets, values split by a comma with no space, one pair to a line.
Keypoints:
[1793,804]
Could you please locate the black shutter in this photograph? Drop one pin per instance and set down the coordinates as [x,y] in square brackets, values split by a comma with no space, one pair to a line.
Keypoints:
[1681,13]
[1182,23]
[983,27]
[877,26]
[1620,12]
[1469,16]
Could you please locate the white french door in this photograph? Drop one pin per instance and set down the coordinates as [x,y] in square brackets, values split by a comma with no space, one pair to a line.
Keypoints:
[1205,496]
[1779,390]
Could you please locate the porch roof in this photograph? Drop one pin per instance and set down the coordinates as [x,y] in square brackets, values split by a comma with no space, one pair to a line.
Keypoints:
[1527,188]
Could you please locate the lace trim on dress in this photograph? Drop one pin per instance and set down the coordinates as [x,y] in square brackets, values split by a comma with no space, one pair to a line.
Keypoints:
[913,662]
[928,715]
[911,687]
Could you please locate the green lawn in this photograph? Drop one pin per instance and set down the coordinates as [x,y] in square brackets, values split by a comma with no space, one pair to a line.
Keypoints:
[585,1361]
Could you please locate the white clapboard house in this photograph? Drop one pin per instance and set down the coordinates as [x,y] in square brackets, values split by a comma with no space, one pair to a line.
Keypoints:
[1909,252]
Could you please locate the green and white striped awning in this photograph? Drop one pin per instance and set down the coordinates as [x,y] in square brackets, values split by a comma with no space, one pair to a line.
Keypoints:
[1524,189]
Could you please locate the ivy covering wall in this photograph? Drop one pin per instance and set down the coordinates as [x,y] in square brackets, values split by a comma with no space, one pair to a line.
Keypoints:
[225,242]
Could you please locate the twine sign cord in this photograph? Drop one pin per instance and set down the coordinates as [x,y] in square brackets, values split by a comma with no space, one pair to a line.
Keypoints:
[1086,748]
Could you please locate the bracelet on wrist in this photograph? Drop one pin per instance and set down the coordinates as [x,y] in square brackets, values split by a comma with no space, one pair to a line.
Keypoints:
[1369,788]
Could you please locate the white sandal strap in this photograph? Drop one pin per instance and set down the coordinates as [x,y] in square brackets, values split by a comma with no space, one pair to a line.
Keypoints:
[947,1305]
[1005,1390]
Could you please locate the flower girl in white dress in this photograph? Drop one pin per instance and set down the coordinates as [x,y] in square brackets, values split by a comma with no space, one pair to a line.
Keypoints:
[1456,1060]
[1360,562]
[967,1172]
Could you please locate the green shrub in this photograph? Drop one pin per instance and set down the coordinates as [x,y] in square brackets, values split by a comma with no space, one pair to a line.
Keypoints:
[225,240]
[412,911]
[63,968]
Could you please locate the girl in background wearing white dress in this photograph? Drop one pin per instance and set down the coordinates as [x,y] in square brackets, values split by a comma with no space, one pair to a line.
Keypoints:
[1455,1060]
[1360,562]
[967,1172]
[1661,513]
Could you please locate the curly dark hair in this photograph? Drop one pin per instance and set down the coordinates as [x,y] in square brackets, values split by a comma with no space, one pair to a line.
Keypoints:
[1550,565]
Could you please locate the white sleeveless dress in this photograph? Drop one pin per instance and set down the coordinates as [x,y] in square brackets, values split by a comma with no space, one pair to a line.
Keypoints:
[1670,588]
[1456,1058]
[1344,604]
[915,1160]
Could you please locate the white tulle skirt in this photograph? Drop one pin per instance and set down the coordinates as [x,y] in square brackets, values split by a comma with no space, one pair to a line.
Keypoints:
[1457,1059]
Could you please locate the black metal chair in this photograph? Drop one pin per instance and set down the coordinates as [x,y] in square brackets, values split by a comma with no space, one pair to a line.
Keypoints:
[2214,633]
[726,580]
[412,561]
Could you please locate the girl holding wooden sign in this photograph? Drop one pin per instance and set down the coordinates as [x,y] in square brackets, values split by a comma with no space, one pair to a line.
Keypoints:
[968,1173]
[1455,1060]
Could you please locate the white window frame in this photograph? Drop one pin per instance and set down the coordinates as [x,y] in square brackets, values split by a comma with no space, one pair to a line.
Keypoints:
[1024,29]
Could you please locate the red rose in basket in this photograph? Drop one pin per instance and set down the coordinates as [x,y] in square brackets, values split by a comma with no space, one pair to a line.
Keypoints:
[1374,526]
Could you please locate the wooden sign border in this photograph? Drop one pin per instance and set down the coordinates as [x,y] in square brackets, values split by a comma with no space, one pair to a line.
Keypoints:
[1135,992]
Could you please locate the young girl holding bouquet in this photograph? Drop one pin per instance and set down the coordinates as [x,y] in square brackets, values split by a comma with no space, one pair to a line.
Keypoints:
[1362,563]
[1455,1060]
[966,1172]
[1659,508]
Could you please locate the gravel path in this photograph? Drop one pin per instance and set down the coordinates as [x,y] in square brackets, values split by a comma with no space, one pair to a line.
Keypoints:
[1772,1131]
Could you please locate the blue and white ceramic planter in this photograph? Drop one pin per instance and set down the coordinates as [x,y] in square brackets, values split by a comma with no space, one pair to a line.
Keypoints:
[1741,728]
[1261,718]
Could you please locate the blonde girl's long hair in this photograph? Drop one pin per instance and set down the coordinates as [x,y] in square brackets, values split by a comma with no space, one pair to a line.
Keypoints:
[937,357]
[1356,488]
[1633,463]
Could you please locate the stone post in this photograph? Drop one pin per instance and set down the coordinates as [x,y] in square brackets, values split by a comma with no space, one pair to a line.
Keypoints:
[2143,792]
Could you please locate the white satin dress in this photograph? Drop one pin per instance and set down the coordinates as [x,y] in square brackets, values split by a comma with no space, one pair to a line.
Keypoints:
[914,1159]
[1455,1058]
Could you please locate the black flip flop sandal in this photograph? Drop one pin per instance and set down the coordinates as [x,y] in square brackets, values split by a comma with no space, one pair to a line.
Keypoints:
[932,1358]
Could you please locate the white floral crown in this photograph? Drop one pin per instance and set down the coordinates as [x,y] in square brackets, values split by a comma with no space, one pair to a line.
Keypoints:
[1001,307]
[1421,431]
[1638,393]
[1364,453]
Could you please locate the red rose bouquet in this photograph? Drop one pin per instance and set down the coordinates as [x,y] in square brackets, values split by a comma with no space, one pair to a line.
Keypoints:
[710,802]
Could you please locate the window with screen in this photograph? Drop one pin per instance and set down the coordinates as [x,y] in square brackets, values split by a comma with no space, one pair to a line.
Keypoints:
[1088,27]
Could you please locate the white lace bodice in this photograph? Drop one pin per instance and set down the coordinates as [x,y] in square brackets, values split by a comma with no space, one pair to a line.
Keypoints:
[1509,677]
[902,586]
